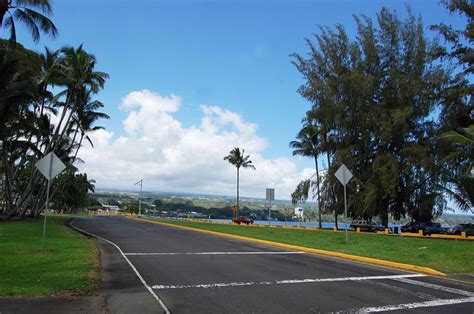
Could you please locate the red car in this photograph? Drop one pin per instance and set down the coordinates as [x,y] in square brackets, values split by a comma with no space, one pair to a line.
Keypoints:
[242,220]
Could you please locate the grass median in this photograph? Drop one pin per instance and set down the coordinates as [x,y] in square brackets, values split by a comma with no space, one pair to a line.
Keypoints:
[69,265]
[447,256]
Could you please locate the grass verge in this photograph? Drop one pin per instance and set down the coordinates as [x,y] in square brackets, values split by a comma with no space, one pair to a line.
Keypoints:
[447,256]
[69,265]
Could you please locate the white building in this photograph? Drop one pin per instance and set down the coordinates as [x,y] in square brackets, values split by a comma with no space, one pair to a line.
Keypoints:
[299,212]
[110,207]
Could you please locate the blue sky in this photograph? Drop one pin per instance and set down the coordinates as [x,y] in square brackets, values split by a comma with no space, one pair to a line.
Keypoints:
[230,54]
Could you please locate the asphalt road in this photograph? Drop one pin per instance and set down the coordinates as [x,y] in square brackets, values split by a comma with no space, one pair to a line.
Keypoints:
[154,268]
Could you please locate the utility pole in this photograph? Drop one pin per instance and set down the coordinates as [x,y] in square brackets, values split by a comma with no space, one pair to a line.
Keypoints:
[270,196]
[140,197]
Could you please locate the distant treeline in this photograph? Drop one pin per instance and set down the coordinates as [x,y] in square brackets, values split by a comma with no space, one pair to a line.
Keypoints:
[186,207]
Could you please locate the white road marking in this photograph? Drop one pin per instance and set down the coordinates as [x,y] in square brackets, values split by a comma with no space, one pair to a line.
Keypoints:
[218,253]
[165,309]
[279,282]
[420,295]
[436,287]
[407,306]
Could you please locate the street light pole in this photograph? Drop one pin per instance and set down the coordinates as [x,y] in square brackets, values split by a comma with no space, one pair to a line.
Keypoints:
[140,198]
[270,196]
[269,214]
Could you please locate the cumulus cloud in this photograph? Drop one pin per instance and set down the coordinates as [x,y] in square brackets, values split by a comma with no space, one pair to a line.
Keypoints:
[170,157]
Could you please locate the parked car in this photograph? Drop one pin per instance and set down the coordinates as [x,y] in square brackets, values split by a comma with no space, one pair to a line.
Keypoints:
[366,225]
[412,227]
[456,230]
[242,220]
[433,228]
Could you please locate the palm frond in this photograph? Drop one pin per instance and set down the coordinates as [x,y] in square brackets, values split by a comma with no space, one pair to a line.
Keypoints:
[43,5]
[237,158]
[30,24]
[44,23]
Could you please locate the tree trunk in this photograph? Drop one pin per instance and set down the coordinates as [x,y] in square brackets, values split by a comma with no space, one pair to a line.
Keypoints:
[79,146]
[319,195]
[237,211]
[58,127]
[333,193]
[7,192]
[74,139]
[384,215]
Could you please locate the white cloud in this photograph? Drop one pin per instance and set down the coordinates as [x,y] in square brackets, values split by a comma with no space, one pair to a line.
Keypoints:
[171,157]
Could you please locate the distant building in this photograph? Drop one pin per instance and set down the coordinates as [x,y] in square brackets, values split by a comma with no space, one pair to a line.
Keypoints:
[110,207]
[299,212]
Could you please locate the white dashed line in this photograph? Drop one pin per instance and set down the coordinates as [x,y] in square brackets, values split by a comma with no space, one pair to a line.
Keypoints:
[435,287]
[280,282]
[217,253]
[405,291]
[407,306]
[165,309]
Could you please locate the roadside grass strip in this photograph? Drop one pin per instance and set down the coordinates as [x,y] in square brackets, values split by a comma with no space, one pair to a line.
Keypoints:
[414,254]
[70,263]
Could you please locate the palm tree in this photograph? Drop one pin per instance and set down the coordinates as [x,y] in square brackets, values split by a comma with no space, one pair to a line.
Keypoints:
[85,120]
[24,11]
[307,144]
[461,189]
[237,158]
[16,92]
[81,79]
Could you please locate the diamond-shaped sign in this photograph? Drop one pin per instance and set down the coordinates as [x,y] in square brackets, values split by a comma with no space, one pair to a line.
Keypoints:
[50,166]
[343,174]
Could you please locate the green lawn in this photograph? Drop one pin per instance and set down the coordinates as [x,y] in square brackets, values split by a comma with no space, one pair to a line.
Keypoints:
[447,256]
[70,263]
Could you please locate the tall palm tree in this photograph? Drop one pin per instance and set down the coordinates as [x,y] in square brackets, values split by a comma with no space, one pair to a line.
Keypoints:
[239,160]
[307,144]
[26,11]
[80,78]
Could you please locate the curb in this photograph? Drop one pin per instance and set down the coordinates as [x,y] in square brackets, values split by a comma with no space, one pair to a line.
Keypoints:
[366,260]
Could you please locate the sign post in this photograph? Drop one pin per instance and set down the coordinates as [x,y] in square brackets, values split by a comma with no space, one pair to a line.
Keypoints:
[270,197]
[344,176]
[49,166]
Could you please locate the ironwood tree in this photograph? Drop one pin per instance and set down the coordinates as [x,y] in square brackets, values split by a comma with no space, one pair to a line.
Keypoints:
[377,98]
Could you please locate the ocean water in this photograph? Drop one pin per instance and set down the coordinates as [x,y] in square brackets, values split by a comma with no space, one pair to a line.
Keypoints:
[312,224]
